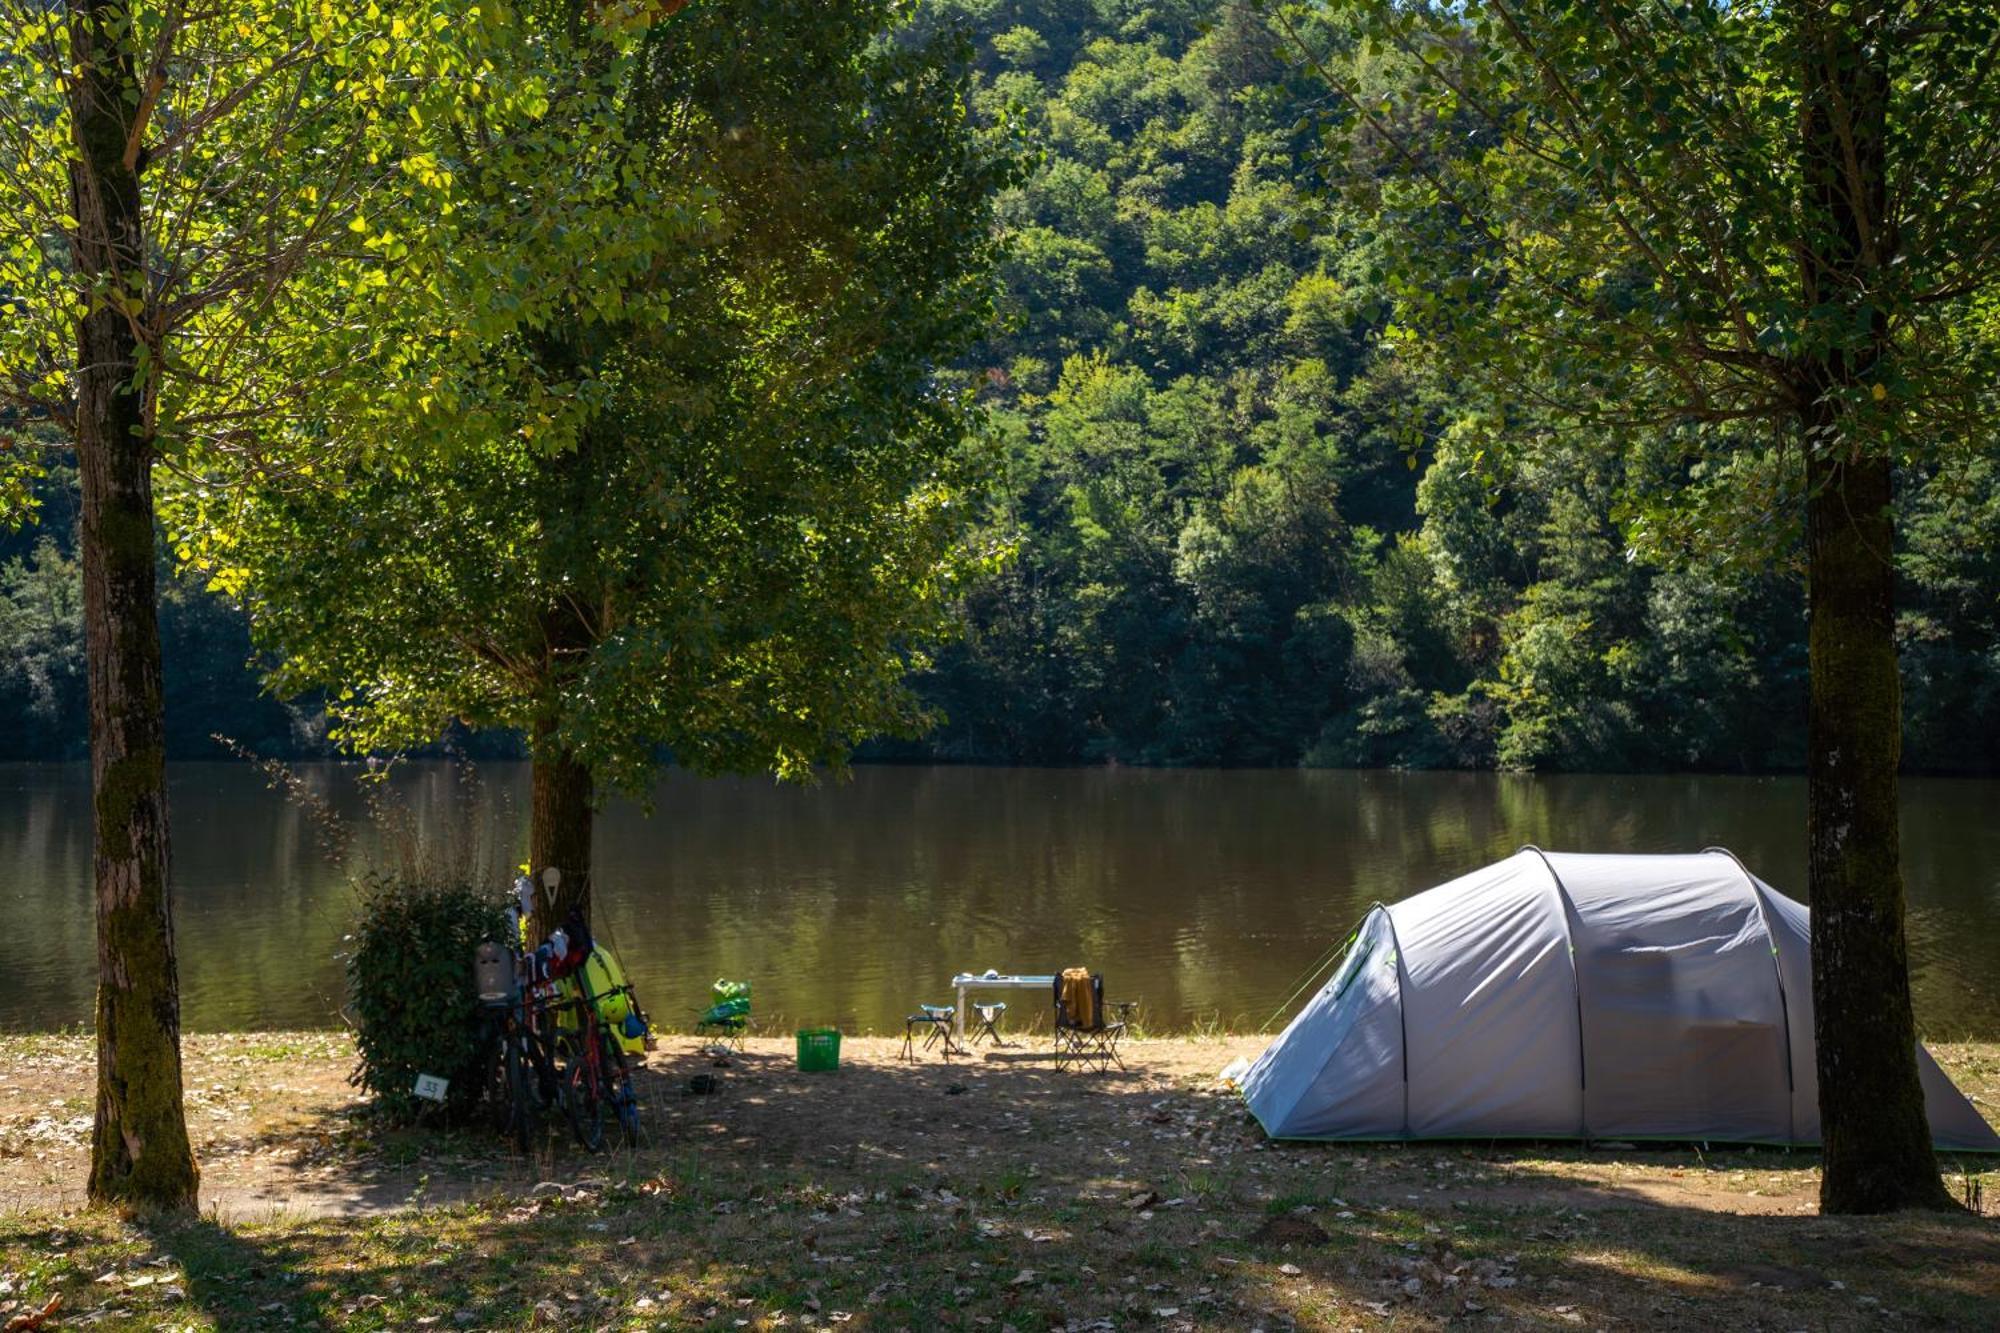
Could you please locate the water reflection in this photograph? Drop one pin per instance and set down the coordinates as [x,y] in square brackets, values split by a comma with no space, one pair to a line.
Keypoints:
[1204,893]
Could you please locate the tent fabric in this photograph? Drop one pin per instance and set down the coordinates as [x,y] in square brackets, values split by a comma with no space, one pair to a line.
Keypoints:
[1563,995]
[1346,1060]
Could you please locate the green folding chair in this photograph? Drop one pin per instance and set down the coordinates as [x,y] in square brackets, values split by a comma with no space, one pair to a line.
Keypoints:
[727,1016]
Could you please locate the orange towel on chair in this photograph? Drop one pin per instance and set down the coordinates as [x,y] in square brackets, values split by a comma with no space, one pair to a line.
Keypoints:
[1079,997]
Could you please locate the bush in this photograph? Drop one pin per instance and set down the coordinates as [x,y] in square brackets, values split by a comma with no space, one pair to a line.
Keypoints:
[411,990]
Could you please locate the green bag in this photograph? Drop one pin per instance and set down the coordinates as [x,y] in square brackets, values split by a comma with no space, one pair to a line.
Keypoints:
[730,1003]
[726,1012]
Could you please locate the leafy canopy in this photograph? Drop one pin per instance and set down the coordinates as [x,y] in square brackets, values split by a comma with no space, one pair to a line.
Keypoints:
[267,136]
[1603,215]
[688,479]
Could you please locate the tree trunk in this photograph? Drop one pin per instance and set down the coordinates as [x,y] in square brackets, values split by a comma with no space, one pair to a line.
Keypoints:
[1871,1104]
[564,794]
[139,1152]
[1877,1139]
[559,830]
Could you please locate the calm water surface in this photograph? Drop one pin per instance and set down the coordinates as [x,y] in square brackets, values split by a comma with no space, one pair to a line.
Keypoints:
[1205,895]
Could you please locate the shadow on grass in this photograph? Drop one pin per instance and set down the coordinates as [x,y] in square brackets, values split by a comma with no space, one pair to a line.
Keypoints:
[998,1189]
[241,1282]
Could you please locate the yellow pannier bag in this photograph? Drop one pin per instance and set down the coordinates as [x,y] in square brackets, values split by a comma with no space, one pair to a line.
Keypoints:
[605,982]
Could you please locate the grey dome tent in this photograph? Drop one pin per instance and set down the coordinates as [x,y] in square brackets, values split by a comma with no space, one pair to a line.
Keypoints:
[1558,995]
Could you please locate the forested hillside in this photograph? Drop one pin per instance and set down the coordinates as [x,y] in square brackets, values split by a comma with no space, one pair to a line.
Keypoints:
[211,683]
[1249,532]
[1247,525]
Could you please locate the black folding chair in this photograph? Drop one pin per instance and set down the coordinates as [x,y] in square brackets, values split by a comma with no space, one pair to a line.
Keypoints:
[1086,1040]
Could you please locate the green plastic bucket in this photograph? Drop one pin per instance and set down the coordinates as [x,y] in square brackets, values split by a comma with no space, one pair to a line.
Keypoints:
[819,1049]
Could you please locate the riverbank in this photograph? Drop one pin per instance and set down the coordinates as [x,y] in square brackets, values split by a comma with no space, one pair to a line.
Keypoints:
[984,1194]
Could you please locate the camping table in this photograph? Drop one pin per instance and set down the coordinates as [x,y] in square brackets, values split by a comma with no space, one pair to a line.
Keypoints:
[966,981]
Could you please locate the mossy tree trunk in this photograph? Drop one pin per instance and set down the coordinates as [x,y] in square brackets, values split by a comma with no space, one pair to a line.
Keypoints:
[560,823]
[140,1153]
[1877,1140]
[564,795]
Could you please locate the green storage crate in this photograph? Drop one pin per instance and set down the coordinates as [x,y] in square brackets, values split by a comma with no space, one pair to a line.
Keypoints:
[819,1049]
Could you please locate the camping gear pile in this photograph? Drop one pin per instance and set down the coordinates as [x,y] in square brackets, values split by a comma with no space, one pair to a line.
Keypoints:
[564,1023]
[1567,996]
[581,971]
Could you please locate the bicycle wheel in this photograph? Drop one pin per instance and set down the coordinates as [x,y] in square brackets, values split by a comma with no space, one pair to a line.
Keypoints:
[623,1097]
[524,1119]
[582,1092]
[628,1114]
[540,1056]
[508,1099]
[494,1091]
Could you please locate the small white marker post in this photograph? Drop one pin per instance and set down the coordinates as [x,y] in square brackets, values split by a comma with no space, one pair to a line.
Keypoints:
[431,1088]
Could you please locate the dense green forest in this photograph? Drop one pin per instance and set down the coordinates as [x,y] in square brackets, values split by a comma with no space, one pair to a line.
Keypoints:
[1248,524]
[1253,529]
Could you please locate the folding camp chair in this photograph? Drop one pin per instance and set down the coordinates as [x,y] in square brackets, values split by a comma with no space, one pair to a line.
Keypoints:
[1082,1034]
[935,1022]
[726,1018]
[989,1025]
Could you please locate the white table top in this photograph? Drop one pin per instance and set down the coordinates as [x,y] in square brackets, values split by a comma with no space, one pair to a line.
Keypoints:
[981,979]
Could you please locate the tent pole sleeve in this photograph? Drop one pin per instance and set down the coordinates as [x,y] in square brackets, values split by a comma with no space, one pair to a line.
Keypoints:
[1402,1013]
[1563,908]
[1784,1003]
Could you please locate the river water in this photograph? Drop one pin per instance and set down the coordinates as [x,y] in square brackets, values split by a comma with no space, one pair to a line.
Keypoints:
[1206,895]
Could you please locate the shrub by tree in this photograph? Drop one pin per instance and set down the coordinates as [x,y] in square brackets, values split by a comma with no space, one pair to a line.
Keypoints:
[411,990]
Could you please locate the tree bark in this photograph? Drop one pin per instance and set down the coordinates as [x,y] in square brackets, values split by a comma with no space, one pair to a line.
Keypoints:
[1876,1137]
[140,1153]
[564,794]
[560,822]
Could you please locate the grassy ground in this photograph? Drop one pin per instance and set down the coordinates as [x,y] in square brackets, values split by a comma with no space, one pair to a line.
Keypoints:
[991,1195]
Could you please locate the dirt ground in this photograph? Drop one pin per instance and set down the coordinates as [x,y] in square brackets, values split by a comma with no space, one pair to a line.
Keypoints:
[278,1128]
[988,1192]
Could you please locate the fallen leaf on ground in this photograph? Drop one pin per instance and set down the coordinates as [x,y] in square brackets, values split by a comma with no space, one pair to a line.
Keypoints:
[21,1323]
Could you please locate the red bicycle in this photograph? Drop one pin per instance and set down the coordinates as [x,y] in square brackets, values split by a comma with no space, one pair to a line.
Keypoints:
[551,1049]
[593,1080]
